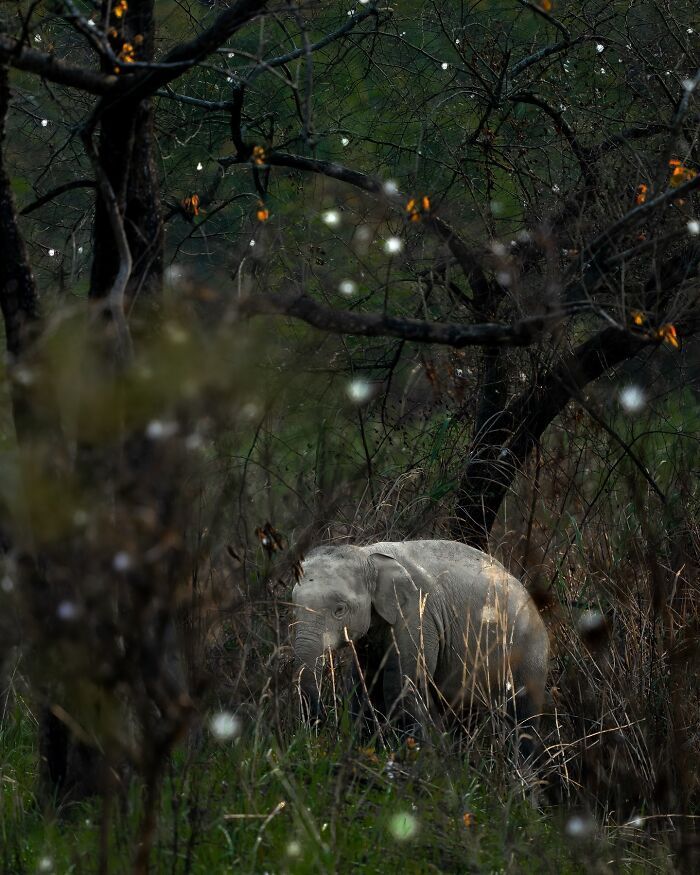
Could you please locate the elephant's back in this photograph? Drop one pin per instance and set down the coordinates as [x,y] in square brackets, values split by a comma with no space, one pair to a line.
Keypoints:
[466,573]
[435,551]
[478,597]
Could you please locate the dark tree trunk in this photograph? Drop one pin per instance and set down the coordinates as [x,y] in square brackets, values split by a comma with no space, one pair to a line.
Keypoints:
[144,222]
[126,153]
[36,425]
[18,297]
[500,451]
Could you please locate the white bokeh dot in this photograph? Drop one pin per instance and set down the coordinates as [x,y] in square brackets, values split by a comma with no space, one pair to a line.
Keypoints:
[331,218]
[579,827]
[122,561]
[294,847]
[224,726]
[403,826]
[159,429]
[632,399]
[347,287]
[68,611]
[359,391]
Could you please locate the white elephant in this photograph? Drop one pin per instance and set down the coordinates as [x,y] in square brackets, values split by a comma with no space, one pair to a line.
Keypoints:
[431,622]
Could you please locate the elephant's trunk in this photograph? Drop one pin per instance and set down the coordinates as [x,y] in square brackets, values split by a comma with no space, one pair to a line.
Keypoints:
[308,649]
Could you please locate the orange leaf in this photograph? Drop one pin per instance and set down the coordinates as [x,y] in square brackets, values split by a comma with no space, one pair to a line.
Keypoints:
[469,819]
[263,214]
[641,195]
[191,204]
[668,334]
[680,173]
[258,155]
[127,54]
[415,211]
[638,317]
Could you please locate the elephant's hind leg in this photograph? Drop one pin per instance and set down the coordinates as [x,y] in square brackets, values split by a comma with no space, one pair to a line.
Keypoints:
[524,707]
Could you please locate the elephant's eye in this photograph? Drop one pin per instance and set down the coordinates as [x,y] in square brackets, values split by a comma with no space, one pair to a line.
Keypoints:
[340,611]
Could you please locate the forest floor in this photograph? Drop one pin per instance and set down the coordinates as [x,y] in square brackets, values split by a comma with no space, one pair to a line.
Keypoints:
[313,804]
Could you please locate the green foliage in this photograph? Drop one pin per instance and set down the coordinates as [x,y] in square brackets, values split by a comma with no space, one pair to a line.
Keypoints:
[312,804]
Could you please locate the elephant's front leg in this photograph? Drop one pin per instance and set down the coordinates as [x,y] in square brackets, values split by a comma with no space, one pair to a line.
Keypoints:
[367,694]
[405,687]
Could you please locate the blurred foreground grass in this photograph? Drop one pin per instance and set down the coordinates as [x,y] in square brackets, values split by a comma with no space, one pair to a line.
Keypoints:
[315,805]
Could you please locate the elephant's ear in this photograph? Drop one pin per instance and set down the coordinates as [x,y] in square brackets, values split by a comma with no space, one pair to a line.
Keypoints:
[393,587]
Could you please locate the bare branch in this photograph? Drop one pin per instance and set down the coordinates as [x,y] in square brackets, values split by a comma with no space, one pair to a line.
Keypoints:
[181,58]
[329,38]
[466,258]
[548,17]
[303,307]
[144,80]
[626,136]
[57,192]
[51,68]
[640,213]
[560,122]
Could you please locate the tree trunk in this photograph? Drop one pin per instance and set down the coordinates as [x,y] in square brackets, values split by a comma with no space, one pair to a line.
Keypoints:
[38,433]
[18,297]
[500,451]
[126,153]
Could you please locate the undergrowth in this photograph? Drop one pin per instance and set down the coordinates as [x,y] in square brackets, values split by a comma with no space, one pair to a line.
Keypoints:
[309,803]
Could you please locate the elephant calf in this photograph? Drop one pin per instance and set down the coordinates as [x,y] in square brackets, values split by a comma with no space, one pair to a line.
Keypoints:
[432,622]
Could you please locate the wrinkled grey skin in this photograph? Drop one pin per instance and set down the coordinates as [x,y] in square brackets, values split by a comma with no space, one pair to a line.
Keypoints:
[433,623]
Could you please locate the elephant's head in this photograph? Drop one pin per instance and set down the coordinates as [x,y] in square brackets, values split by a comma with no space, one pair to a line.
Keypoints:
[333,605]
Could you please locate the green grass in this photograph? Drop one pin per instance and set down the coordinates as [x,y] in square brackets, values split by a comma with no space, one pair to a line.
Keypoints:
[314,804]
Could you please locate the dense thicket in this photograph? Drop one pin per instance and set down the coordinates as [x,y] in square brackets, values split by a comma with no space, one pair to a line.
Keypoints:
[357,273]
